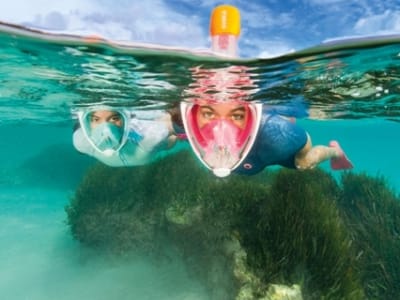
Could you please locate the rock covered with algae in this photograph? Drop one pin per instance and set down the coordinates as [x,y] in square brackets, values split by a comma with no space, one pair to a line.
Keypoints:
[183,216]
[278,235]
[249,284]
[283,292]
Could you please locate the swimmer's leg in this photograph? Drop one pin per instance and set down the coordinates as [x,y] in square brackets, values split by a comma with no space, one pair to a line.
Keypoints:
[339,162]
[309,157]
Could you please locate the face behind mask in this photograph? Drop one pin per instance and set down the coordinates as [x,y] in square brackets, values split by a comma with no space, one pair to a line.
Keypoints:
[106,137]
[220,144]
[105,129]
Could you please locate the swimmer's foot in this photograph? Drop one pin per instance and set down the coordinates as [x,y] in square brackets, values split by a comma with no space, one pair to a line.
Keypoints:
[181,136]
[341,162]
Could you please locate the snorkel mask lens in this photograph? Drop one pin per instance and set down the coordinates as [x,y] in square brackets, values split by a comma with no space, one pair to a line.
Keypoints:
[221,145]
[221,148]
[105,129]
[107,137]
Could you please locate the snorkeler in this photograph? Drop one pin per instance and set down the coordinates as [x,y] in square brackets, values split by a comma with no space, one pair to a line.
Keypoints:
[244,138]
[120,137]
[229,134]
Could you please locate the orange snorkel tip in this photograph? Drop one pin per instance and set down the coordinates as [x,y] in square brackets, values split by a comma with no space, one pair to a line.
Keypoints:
[225,19]
[225,30]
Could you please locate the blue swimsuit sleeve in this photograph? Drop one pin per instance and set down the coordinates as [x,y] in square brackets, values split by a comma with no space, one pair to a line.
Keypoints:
[297,108]
[277,143]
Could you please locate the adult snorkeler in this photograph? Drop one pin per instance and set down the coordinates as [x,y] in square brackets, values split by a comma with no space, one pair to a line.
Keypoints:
[244,138]
[229,134]
[122,137]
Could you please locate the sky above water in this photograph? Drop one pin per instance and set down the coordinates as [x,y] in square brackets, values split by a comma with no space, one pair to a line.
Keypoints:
[269,27]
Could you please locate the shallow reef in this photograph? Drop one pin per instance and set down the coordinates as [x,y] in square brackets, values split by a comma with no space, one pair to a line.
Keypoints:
[282,234]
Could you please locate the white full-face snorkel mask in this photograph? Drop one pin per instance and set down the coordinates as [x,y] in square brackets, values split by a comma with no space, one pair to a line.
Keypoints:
[220,144]
[105,128]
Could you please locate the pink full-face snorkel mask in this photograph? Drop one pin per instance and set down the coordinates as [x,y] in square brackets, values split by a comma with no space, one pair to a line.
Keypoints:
[220,144]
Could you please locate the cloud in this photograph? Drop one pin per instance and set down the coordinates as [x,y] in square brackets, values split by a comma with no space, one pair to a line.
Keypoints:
[19,11]
[256,16]
[275,50]
[385,23]
[262,48]
[145,21]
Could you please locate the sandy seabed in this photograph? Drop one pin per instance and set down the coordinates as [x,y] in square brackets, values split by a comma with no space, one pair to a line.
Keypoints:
[39,259]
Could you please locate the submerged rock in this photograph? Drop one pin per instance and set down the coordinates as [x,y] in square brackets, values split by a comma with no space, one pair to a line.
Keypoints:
[281,235]
[283,292]
[183,216]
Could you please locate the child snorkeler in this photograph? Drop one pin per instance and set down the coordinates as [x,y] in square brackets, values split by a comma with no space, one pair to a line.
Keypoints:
[122,137]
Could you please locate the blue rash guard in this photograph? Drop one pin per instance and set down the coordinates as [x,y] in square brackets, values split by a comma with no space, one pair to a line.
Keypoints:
[277,143]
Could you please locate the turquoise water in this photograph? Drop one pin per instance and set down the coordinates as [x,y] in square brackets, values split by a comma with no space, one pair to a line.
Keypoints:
[38,257]
[353,92]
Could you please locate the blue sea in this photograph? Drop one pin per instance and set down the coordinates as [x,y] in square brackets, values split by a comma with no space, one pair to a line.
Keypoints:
[39,258]
[352,89]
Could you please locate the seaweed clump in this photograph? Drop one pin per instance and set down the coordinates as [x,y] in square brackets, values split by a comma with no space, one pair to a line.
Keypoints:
[121,210]
[372,213]
[113,212]
[301,238]
[284,232]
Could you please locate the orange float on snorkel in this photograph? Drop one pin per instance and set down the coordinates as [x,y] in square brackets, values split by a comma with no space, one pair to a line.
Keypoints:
[225,30]
[225,19]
